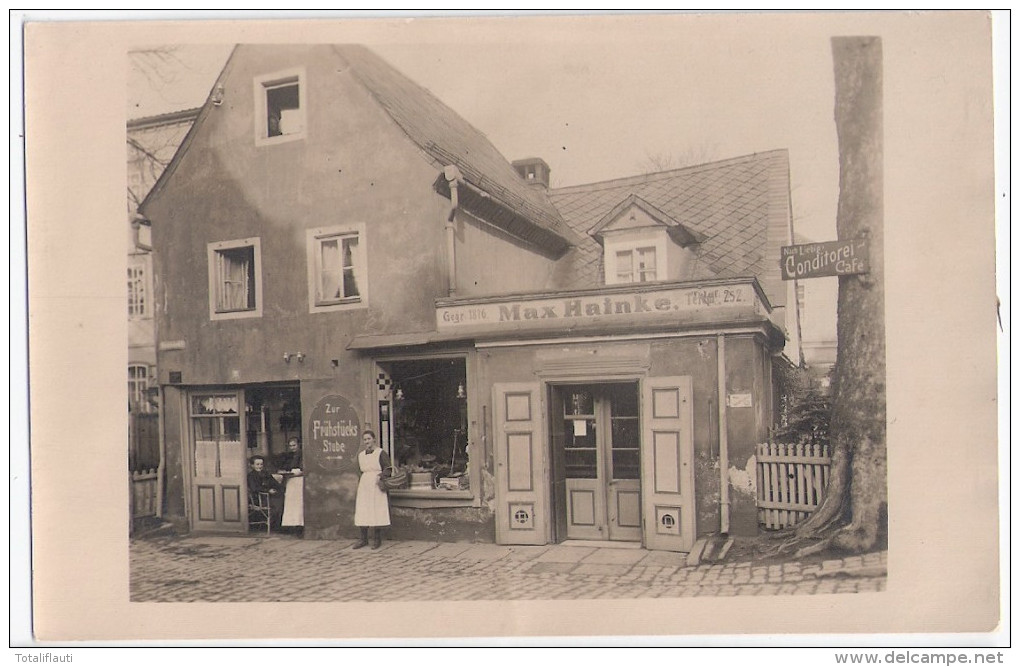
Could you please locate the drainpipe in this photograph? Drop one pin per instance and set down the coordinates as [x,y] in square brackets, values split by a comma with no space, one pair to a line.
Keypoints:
[453,177]
[161,468]
[724,451]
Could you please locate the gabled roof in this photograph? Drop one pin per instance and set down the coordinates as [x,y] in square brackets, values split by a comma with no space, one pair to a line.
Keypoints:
[445,139]
[677,231]
[448,139]
[729,204]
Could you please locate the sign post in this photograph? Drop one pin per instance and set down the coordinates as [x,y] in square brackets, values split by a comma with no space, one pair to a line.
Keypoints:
[817,260]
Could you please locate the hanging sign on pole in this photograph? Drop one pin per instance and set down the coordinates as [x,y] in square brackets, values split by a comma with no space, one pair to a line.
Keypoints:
[817,260]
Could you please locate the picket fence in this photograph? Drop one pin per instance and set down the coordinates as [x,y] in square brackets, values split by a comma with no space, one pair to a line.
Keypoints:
[143,493]
[791,482]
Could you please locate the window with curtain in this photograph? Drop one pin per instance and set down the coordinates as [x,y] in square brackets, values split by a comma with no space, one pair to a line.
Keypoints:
[337,276]
[234,279]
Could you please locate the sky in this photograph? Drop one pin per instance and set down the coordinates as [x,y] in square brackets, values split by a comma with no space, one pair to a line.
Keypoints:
[605,108]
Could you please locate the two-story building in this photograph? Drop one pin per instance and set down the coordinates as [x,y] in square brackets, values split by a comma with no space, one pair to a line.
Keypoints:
[336,250]
[152,142]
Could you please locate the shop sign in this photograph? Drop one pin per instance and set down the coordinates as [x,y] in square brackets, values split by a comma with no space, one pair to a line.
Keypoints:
[817,260]
[618,307]
[335,432]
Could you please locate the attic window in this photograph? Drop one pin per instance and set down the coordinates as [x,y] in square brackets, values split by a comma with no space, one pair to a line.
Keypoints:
[636,265]
[279,107]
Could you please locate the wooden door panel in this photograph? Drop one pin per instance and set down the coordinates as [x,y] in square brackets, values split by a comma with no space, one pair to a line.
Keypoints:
[522,475]
[584,509]
[624,510]
[667,462]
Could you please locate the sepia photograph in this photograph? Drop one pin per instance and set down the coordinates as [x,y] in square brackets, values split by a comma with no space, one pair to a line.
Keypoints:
[460,312]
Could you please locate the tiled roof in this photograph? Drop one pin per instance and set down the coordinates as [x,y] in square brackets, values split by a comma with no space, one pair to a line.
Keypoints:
[727,202]
[449,139]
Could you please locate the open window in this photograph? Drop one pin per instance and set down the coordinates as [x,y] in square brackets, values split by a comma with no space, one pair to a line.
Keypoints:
[235,283]
[280,106]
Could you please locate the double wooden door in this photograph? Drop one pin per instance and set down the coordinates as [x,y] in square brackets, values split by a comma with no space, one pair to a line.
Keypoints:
[617,463]
[597,460]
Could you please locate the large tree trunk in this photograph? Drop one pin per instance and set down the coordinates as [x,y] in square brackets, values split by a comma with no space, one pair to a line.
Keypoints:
[853,516]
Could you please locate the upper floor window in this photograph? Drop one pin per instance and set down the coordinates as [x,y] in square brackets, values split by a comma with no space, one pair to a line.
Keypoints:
[138,291]
[636,265]
[235,283]
[280,104]
[337,268]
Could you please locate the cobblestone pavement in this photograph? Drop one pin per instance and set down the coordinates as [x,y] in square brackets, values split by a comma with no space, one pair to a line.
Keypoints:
[248,569]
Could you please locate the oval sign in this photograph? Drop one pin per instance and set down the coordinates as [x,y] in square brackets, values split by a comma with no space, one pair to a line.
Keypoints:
[335,432]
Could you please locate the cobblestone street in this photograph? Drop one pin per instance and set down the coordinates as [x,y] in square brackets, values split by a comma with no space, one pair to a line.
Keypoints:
[259,569]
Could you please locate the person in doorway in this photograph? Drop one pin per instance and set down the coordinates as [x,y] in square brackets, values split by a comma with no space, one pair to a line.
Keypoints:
[289,465]
[372,505]
[290,460]
[261,480]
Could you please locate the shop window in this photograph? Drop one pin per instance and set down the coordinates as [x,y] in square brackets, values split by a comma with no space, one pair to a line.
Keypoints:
[235,286]
[280,107]
[336,268]
[138,291]
[429,422]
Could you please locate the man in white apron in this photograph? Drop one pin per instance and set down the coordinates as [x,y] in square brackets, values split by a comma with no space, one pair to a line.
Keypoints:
[372,506]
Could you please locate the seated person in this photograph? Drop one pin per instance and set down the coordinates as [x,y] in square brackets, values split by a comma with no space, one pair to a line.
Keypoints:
[290,460]
[261,480]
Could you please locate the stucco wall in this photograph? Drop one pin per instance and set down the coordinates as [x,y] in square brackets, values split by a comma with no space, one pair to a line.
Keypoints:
[354,166]
[744,375]
[174,489]
[485,267]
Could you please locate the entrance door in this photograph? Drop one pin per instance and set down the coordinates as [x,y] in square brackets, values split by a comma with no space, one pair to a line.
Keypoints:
[218,462]
[596,437]
[667,459]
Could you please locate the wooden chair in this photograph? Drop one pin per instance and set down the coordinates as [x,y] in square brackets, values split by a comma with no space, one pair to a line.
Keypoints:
[258,510]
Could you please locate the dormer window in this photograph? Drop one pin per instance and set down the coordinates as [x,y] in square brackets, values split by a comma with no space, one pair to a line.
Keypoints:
[636,266]
[280,104]
[642,243]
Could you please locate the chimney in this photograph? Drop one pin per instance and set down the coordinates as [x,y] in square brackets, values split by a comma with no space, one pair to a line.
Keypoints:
[534,170]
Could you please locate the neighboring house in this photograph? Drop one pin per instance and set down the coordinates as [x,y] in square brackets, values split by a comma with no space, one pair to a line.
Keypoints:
[816,300]
[151,144]
[336,250]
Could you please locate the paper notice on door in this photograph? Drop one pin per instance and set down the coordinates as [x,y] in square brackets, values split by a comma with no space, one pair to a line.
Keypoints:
[580,427]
